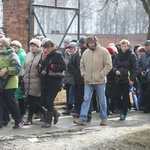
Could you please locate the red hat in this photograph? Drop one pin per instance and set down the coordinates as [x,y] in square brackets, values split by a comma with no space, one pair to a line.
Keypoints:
[111,50]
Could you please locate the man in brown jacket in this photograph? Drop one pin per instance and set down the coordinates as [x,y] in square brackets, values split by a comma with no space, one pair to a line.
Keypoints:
[95,64]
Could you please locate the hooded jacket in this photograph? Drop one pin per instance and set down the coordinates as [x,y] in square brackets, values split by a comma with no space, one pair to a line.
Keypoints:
[95,65]
[10,60]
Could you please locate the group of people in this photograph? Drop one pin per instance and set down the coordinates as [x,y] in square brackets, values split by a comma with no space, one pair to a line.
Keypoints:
[29,78]
[88,67]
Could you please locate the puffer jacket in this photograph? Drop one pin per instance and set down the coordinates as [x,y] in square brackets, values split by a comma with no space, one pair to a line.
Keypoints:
[30,72]
[127,63]
[95,65]
[10,60]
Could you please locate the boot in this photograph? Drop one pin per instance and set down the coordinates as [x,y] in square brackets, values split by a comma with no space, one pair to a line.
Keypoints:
[48,120]
[56,115]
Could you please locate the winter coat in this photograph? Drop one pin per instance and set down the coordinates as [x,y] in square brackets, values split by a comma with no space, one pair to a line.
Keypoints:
[126,62]
[22,55]
[69,77]
[30,72]
[95,65]
[10,60]
[76,66]
[144,65]
[56,60]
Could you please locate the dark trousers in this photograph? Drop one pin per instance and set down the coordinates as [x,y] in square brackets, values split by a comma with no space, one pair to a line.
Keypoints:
[34,102]
[67,88]
[7,97]
[123,91]
[21,106]
[48,97]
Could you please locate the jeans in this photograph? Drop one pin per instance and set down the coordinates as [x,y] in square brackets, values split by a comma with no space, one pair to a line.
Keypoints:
[88,90]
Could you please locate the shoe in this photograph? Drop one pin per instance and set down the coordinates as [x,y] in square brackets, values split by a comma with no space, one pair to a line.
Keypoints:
[122,117]
[88,120]
[79,122]
[145,110]
[1,126]
[67,112]
[27,123]
[75,115]
[19,125]
[103,123]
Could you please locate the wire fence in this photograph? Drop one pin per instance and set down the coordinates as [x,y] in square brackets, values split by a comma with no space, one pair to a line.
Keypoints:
[55,22]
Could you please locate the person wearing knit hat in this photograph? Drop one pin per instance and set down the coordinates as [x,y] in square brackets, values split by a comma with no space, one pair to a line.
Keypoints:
[111,51]
[95,64]
[51,62]
[66,42]
[69,78]
[10,69]
[5,42]
[36,42]
[31,79]
[16,43]
[19,94]
[67,39]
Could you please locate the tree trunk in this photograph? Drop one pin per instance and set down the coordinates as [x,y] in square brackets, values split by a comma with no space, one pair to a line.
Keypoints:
[148,34]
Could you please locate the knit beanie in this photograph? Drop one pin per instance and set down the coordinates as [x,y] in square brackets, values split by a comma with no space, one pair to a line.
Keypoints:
[36,42]
[16,43]
[6,42]
[67,39]
[46,40]
[72,45]
[111,50]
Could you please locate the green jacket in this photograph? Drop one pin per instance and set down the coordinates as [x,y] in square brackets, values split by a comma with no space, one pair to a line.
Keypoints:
[22,55]
[10,60]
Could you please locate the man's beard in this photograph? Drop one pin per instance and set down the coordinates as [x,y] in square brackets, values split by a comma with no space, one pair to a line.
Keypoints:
[92,48]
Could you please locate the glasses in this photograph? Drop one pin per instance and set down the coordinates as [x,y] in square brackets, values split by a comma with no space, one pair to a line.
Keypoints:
[147,45]
[1,46]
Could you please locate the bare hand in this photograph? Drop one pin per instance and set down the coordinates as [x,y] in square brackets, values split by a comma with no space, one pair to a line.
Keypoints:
[118,73]
[143,73]
[3,71]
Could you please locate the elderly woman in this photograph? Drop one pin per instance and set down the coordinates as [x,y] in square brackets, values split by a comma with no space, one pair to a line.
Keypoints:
[9,66]
[52,60]
[32,79]
[19,95]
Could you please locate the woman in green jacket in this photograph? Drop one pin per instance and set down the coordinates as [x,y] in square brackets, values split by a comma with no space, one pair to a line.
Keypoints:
[19,94]
[9,66]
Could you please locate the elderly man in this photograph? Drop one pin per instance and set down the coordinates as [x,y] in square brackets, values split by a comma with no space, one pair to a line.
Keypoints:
[94,65]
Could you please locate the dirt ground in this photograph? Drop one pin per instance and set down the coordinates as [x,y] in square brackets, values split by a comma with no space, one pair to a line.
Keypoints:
[132,134]
[91,140]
